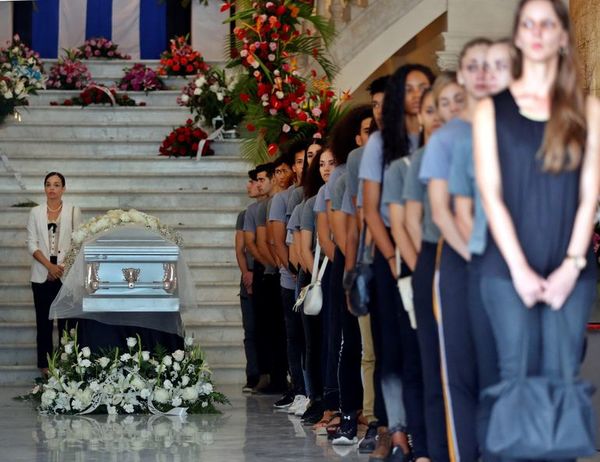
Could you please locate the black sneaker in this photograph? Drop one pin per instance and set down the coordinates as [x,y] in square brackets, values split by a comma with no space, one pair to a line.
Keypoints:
[368,443]
[313,414]
[398,456]
[285,401]
[346,434]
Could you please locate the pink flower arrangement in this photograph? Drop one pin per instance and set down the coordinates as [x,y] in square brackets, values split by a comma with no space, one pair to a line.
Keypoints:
[69,73]
[100,47]
[141,78]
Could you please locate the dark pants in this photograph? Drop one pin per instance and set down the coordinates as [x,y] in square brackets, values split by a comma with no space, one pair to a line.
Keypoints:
[548,330]
[43,295]
[313,341]
[258,300]
[485,352]
[349,376]
[333,334]
[461,391]
[274,334]
[429,345]
[397,348]
[249,324]
[378,404]
[295,340]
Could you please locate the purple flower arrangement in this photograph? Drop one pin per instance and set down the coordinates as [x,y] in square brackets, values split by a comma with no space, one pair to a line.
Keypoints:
[100,47]
[141,78]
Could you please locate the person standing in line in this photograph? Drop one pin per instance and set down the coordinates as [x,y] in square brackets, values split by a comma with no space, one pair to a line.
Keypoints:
[395,342]
[246,265]
[471,223]
[537,166]
[373,407]
[444,102]
[49,230]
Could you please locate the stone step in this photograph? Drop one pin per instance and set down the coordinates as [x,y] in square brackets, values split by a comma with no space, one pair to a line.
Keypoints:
[19,312]
[163,98]
[182,215]
[222,374]
[68,147]
[171,116]
[124,163]
[24,354]
[133,198]
[11,252]
[202,233]
[206,292]
[209,332]
[200,180]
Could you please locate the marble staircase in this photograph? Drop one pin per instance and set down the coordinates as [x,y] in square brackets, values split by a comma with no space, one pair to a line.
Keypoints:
[110,159]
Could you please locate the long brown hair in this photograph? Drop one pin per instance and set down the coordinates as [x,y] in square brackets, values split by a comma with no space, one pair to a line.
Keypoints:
[565,134]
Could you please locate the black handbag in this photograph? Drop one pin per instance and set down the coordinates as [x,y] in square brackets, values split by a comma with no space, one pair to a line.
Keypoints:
[360,282]
[538,417]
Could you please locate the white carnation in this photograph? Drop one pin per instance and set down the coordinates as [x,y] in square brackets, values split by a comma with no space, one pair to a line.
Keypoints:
[69,348]
[176,401]
[128,408]
[178,355]
[167,361]
[125,357]
[131,342]
[85,363]
[161,395]
[190,394]
[167,385]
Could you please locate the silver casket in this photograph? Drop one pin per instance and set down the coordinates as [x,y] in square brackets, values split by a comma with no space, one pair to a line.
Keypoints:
[131,269]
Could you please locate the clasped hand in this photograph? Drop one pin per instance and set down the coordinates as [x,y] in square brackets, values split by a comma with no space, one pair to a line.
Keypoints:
[554,290]
[55,272]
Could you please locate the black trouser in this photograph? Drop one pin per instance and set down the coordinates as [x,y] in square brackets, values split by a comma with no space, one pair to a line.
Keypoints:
[273,330]
[397,348]
[44,294]
[249,324]
[429,345]
[333,334]
[349,377]
[313,344]
[258,300]
[294,339]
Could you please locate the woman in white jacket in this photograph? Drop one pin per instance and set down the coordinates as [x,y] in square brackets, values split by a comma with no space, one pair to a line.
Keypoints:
[48,238]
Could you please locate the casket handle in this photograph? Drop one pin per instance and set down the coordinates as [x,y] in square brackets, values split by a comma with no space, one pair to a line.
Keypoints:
[131,275]
[169,277]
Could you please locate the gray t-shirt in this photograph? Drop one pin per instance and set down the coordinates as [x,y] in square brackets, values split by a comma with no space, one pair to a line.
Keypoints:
[277,213]
[307,222]
[337,195]
[393,186]
[352,167]
[296,197]
[320,205]
[239,226]
[371,168]
[347,204]
[250,217]
[330,185]
[261,220]
[415,190]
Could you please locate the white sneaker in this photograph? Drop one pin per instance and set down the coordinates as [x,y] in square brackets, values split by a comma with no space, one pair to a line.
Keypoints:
[298,399]
[302,407]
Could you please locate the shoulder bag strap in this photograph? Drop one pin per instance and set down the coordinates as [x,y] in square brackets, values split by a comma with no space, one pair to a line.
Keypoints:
[322,270]
[315,268]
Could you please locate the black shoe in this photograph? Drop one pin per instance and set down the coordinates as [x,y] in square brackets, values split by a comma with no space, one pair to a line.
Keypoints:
[272,389]
[396,455]
[313,414]
[285,401]
[368,443]
[346,434]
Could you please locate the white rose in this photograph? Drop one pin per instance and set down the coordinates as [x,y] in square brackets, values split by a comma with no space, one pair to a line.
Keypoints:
[146,355]
[69,348]
[176,401]
[189,341]
[128,408]
[137,383]
[167,361]
[78,236]
[124,218]
[190,394]
[161,395]
[206,389]
[279,94]
[197,91]
[104,361]
[131,342]
[220,96]
[200,81]
[47,397]
[176,367]
[85,351]
[185,98]
[185,380]
[94,386]
[85,363]
[112,410]
[64,356]
[167,385]
[178,355]
[145,393]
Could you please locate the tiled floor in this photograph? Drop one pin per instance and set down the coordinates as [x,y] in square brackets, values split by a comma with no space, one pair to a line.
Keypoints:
[247,431]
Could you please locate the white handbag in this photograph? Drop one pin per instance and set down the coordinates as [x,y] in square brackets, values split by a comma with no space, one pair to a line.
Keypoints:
[311,296]
[406,291]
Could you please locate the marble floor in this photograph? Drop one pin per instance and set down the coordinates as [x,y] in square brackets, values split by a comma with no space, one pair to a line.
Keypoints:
[249,430]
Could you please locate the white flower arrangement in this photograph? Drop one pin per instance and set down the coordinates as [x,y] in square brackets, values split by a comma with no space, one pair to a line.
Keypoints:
[136,381]
[113,219]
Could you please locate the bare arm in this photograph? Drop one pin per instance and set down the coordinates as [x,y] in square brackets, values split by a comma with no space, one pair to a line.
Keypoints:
[324,234]
[307,254]
[463,216]
[352,238]
[443,218]
[241,260]
[250,241]
[263,247]
[413,219]
[338,226]
[401,238]
[271,244]
[281,249]
[298,245]
[371,197]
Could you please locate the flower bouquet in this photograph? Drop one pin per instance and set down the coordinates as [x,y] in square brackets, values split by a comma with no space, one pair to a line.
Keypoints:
[126,381]
[181,59]
[21,74]
[209,96]
[100,47]
[69,73]
[141,78]
[185,141]
[99,94]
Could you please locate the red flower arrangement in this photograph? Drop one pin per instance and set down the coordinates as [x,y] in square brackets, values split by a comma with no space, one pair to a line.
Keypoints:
[181,59]
[100,47]
[99,94]
[69,73]
[141,78]
[184,141]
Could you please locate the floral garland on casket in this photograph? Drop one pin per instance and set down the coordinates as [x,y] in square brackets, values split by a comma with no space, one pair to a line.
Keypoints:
[126,382]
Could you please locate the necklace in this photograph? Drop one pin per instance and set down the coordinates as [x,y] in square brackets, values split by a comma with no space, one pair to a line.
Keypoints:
[54,210]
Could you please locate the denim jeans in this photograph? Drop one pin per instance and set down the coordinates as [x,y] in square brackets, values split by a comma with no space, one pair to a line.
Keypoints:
[333,333]
[398,350]
[510,317]
[249,325]
[295,340]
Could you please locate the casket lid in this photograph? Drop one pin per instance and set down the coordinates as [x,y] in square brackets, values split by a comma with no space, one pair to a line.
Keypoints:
[131,239]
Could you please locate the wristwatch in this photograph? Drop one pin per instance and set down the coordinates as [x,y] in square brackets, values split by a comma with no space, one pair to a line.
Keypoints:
[579,261]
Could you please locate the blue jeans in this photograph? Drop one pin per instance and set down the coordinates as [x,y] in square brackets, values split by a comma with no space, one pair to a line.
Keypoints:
[249,325]
[510,317]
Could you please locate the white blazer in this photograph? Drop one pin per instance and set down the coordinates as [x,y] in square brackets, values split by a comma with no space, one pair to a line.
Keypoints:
[37,236]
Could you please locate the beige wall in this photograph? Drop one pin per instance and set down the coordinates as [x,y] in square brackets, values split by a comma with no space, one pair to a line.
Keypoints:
[585,15]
